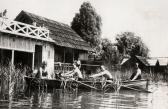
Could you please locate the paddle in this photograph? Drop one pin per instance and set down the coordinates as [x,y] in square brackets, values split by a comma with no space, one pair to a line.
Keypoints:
[84,84]
[140,90]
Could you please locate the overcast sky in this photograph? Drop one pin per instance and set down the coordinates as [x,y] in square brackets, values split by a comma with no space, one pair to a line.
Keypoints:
[146,18]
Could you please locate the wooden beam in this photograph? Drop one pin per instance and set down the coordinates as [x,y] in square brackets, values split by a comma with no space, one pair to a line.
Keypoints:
[12,59]
[33,61]
[64,56]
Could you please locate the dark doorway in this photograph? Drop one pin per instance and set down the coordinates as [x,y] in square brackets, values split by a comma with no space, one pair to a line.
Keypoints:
[5,56]
[68,55]
[38,56]
[22,59]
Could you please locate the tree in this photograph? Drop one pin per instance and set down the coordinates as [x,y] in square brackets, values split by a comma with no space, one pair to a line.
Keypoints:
[87,23]
[109,52]
[129,44]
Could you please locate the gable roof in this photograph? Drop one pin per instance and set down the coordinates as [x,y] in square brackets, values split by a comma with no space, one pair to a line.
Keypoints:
[143,60]
[163,61]
[152,62]
[61,33]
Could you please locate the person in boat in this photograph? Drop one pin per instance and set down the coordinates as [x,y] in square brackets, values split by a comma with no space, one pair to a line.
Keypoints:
[42,71]
[76,71]
[105,73]
[137,74]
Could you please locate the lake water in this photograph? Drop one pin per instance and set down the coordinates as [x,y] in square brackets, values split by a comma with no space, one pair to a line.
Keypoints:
[125,99]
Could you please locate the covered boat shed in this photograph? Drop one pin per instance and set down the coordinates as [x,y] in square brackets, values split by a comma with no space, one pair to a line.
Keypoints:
[31,39]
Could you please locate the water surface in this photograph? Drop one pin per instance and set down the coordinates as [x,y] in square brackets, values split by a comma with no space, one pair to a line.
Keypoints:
[125,99]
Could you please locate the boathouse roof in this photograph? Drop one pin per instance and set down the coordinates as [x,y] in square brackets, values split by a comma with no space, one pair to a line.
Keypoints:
[143,60]
[152,61]
[62,34]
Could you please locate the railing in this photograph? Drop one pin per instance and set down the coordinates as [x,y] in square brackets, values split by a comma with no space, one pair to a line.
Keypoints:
[23,29]
[62,67]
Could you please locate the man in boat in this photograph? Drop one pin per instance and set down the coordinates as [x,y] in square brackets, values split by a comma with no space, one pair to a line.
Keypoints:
[137,74]
[105,73]
[76,71]
[42,71]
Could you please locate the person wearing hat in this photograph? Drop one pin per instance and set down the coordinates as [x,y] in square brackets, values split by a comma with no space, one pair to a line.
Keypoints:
[75,71]
[105,73]
[137,74]
[42,71]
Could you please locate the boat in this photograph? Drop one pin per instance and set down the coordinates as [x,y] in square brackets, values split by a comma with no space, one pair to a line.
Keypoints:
[97,85]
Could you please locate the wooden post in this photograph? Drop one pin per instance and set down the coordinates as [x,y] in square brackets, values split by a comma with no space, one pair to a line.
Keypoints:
[10,83]
[12,60]
[73,55]
[33,61]
[64,56]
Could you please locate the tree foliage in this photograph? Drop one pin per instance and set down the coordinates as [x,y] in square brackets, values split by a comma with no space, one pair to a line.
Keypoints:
[87,23]
[109,52]
[129,44]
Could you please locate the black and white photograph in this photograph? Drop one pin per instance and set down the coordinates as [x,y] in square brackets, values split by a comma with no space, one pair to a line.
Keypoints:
[83,54]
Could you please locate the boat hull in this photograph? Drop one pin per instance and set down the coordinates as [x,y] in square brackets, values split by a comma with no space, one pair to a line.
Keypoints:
[57,84]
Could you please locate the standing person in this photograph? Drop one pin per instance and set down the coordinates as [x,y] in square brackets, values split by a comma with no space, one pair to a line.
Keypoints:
[42,71]
[75,71]
[105,73]
[137,74]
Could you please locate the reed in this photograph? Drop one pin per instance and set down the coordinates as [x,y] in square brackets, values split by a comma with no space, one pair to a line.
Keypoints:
[11,81]
[152,76]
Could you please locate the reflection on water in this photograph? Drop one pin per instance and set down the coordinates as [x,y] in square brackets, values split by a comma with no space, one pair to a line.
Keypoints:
[93,100]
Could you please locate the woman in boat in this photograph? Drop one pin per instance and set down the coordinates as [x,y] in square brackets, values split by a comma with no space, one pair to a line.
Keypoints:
[137,74]
[74,72]
[105,73]
[42,71]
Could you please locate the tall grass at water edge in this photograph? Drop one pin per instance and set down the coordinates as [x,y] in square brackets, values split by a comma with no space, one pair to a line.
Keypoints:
[152,76]
[11,81]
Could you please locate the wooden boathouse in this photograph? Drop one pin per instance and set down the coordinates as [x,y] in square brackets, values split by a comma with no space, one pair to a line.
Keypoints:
[31,39]
[150,64]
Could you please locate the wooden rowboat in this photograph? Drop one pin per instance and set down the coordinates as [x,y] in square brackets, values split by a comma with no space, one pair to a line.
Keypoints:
[57,84]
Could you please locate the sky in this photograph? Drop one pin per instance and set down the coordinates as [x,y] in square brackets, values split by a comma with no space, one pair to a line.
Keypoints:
[146,18]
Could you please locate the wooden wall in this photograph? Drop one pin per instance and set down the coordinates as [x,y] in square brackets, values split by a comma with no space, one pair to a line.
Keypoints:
[18,43]
[48,56]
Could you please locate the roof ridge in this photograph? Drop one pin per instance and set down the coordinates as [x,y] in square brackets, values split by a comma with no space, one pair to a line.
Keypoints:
[66,34]
[46,18]
[56,22]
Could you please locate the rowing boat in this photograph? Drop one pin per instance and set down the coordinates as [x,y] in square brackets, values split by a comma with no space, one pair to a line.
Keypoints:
[58,83]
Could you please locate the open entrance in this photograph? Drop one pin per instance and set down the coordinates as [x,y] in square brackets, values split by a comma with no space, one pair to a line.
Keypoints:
[22,59]
[5,56]
[68,55]
[38,56]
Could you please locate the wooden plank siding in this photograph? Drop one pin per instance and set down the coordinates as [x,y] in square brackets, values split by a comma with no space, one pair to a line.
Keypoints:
[48,56]
[17,43]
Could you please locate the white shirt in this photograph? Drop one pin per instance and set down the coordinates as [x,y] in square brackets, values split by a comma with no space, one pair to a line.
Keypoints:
[76,70]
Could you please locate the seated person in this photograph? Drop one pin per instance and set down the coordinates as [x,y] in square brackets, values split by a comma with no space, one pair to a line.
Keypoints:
[42,71]
[75,71]
[137,74]
[105,73]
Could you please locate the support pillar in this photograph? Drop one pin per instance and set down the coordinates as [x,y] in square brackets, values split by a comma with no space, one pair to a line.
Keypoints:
[33,61]
[12,60]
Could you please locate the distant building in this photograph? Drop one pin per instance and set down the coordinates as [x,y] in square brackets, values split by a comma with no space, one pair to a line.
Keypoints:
[152,64]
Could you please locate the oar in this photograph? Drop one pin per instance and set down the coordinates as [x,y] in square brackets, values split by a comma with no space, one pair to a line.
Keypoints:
[140,90]
[84,84]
